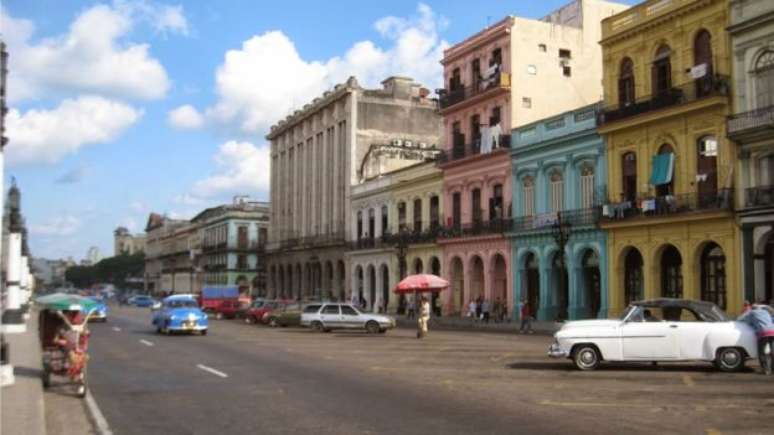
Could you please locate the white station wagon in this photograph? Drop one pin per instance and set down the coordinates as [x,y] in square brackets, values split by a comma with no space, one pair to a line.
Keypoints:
[659,330]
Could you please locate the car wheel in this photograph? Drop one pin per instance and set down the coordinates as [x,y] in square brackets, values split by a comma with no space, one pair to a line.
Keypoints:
[586,357]
[382,331]
[318,327]
[729,359]
[372,327]
[273,322]
[219,316]
[249,320]
[204,332]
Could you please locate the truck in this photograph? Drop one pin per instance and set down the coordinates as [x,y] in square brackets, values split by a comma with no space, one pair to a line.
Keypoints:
[212,298]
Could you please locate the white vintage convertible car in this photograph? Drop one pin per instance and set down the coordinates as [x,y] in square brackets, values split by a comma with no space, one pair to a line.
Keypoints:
[659,330]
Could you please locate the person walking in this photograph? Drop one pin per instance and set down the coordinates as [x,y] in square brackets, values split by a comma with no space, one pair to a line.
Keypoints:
[498,308]
[437,307]
[478,308]
[485,310]
[472,309]
[412,309]
[424,317]
[526,318]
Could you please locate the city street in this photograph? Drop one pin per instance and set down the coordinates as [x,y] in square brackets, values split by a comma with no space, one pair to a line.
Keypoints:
[244,378]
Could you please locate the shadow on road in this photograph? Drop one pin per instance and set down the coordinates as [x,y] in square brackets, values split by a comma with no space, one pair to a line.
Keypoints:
[535,365]
[619,367]
[27,372]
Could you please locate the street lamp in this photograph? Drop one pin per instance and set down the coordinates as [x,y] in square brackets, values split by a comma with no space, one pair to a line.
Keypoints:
[561,230]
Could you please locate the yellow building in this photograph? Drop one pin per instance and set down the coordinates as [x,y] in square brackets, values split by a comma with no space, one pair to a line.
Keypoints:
[671,231]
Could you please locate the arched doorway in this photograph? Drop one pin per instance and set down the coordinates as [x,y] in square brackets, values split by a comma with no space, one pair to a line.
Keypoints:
[280,289]
[476,277]
[418,266]
[328,286]
[671,273]
[592,285]
[458,284]
[385,288]
[371,288]
[359,286]
[341,280]
[435,269]
[713,275]
[499,279]
[532,282]
[561,286]
[633,284]
[288,291]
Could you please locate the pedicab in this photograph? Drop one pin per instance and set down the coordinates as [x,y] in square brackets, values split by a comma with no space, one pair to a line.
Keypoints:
[64,337]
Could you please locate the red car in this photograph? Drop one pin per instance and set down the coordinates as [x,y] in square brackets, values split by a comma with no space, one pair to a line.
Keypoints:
[230,308]
[258,310]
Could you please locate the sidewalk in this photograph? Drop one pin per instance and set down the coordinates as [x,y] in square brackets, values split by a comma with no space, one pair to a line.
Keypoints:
[21,404]
[468,324]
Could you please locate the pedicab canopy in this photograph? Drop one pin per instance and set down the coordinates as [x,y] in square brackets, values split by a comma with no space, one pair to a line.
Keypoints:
[66,302]
[421,283]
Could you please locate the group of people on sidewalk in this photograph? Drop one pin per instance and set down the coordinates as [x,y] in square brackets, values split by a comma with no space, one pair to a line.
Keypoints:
[481,309]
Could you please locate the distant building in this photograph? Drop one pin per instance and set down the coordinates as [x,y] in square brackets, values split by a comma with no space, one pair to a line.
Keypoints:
[126,243]
[93,256]
[158,230]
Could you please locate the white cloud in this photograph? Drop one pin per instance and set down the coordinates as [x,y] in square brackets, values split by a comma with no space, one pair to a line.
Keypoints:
[59,226]
[163,18]
[266,77]
[88,58]
[48,135]
[130,224]
[185,118]
[188,199]
[137,206]
[242,169]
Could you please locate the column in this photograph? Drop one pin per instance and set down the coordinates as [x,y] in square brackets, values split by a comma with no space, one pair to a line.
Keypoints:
[571,183]
[604,297]
[378,290]
[324,182]
[519,292]
[12,314]
[547,309]
[540,192]
[378,224]
[748,263]
[298,201]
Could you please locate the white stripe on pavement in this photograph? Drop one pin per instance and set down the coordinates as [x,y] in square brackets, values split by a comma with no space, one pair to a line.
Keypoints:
[96,415]
[117,329]
[146,342]
[212,370]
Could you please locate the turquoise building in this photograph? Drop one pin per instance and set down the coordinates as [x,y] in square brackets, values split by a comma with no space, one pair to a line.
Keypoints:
[559,178]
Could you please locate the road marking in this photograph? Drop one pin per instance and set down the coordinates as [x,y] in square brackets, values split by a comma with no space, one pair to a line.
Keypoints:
[117,329]
[146,342]
[96,415]
[688,380]
[212,370]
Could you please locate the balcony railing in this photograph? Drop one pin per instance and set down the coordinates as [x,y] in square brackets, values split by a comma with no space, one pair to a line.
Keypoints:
[451,97]
[760,196]
[754,121]
[544,222]
[459,152]
[708,86]
[655,206]
[480,228]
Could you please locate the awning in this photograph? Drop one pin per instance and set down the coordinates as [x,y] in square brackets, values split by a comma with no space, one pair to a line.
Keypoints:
[663,168]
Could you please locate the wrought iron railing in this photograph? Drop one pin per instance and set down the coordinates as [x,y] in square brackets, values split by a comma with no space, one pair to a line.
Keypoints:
[708,86]
[492,226]
[546,221]
[759,196]
[459,152]
[451,97]
[722,199]
[749,121]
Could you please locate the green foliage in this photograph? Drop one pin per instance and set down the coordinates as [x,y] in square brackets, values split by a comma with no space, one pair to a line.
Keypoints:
[113,270]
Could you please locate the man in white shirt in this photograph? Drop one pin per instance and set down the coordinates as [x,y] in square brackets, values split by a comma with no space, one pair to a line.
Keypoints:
[424,317]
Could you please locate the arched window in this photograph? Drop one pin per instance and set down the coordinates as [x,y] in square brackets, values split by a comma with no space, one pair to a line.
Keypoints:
[435,206]
[371,223]
[764,80]
[417,215]
[629,176]
[475,205]
[671,273]
[706,169]
[587,185]
[626,94]
[359,224]
[557,191]
[702,55]
[385,220]
[667,188]
[713,275]
[662,71]
[401,216]
[496,203]
[529,196]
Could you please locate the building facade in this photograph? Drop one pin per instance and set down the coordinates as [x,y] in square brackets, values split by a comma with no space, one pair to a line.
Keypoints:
[752,41]
[559,177]
[231,246]
[158,228]
[512,73]
[318,153]
[671,229]
[127,243]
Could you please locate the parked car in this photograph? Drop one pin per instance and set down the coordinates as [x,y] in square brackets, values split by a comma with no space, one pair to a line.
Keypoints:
[659,330]
[101,313]
[230,309]
[180,313]
[344,316]
[141,301]
[258,310]
[284,315]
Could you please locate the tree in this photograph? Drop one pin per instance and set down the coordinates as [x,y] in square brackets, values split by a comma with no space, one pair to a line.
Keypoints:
[113,270]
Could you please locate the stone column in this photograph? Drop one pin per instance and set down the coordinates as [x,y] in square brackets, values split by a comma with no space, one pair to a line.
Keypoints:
[547,310]
[325,173]
[12,320]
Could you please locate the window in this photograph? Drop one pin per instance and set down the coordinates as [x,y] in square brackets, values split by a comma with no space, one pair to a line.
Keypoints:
[456,80]
[456,209]
[564,54]
[706,170]
[371,223]
[359,224]
[330,309]
[662,71]
[567,71]
[496,203]
[348,311]
[401,216]
[475,132]
[497,57]
[557,192]
[764,80]
[529,196]
[587,186]
[702,55]
[385,220]
[668,188]
[531,69]
[458,138]
[542,48]
[626,83]
[475,205]
[434,210]
[629,174]
[475,72]
[526,102]
[312,308]
[242,262]
[494,119]
[417,215]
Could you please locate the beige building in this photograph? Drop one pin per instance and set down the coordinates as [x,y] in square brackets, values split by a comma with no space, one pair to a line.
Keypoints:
[158,250]
[318,153]
[126,243]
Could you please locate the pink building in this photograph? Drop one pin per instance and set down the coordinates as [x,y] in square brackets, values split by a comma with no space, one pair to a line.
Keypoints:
[510,74]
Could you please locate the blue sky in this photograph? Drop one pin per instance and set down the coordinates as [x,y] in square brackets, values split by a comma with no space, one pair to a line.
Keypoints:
[125,107]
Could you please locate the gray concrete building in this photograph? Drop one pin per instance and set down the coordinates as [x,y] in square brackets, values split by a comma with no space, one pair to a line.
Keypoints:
[317,154]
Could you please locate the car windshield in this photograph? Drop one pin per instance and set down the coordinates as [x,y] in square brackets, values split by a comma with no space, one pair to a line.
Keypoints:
[183,303]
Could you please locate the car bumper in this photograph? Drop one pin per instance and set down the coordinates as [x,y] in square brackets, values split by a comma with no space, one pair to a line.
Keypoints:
[187,328]
[555,351]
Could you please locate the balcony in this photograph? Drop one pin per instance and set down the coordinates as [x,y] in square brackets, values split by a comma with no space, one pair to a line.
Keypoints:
[751,125]
[462,151]
[480,228]
[668,205]
[546,221]
[449,98]
[709,86]
[760,196]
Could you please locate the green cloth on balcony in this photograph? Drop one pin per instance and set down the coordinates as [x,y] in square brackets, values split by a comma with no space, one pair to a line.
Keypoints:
[663,168]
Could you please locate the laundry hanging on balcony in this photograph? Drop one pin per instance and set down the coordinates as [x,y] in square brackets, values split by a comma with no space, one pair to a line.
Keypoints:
[663,168]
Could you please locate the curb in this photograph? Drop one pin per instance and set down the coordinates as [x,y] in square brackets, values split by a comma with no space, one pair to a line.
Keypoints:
[96,416]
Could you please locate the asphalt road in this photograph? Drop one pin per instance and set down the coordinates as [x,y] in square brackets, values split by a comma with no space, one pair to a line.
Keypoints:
[249,379]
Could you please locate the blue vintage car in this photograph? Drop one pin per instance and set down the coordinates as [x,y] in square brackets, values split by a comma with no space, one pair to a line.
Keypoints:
[180,313]
[101,312]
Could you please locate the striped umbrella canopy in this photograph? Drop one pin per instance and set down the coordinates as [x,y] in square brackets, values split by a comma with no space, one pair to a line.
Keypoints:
[67,302]
[421,283]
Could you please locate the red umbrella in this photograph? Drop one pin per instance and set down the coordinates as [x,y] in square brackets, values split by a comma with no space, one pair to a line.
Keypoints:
[421,283]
